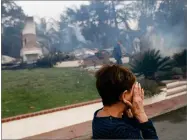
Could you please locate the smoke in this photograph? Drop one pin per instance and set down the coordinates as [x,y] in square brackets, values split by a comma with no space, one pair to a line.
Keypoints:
[167,42]
[73,38]
[78,34]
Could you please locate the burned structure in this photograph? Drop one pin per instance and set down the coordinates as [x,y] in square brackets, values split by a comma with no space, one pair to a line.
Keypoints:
[30,51]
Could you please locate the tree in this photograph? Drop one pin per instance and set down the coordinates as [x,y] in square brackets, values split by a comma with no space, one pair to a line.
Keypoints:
[44,37]
[170,12]
[147,10]
[12,24]
[48,35]
[69,34]
[114,14]
[170,22]
[95,21]
[101,18]
[11,41]
[12,14]
[170,19]
[149,63]
[103,22]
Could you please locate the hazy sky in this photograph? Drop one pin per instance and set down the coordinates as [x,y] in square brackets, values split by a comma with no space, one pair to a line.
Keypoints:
[47,8]
[51,9]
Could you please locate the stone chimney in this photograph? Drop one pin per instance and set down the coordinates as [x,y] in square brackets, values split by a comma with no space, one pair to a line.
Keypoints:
[30,51]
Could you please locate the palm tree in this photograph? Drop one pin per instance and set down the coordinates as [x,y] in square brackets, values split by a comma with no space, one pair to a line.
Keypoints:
[149,63]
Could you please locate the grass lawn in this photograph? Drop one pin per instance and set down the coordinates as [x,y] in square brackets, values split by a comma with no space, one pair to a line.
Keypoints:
[25,91]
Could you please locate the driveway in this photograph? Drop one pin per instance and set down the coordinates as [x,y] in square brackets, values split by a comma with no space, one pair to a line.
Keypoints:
[173,125]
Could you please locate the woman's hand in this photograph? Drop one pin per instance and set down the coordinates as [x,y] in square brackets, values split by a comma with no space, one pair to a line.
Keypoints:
[129,113]
[137,103]
[136,106]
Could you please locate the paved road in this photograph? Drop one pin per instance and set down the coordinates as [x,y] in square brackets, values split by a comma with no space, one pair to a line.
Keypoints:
[173,125]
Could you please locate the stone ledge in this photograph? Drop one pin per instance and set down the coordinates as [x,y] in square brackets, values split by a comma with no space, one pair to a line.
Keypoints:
[23,116]
[83,131]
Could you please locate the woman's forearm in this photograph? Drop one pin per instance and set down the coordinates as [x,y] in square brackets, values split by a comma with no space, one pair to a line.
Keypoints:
[148,130]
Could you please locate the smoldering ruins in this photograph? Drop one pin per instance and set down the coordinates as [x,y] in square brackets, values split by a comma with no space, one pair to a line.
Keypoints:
[97,26]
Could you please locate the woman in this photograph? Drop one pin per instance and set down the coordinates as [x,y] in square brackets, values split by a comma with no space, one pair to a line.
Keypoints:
[123,115]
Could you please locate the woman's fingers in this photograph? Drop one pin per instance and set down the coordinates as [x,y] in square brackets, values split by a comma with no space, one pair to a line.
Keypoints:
[127,103]
[142,95]
[139,89]
[137,104]
[135,90]
[132,90]
[129,113]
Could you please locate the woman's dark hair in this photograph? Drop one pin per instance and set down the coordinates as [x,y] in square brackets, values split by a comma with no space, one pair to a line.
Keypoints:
[112,81]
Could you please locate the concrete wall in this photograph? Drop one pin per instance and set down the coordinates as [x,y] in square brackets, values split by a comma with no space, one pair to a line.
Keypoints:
[75,63]
[124,60]
[88,62]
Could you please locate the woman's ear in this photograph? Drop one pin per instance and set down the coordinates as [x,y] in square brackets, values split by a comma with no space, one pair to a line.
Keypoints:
[124,98]
[123,95]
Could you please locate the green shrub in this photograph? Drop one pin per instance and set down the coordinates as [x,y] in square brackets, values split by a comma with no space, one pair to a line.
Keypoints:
[180,58]
[184,69]
[180,61]
[51,59]
[177,71]
[46,62]
[162,75]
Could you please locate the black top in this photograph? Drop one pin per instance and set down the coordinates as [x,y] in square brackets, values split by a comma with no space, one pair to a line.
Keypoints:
[121,128]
